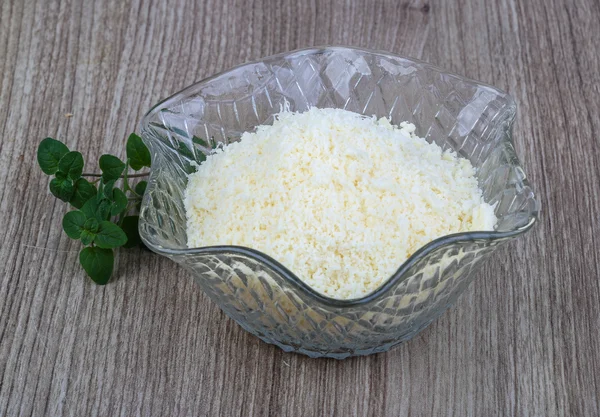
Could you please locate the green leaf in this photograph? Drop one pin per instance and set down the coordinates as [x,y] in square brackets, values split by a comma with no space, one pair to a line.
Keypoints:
[49,153]
[90,230]
[119,202]
[185,151]
[92,225]
[98,263]
[111,166]
[87,237]
[108,187]
[84,190]
[114,197]
[73,223]
[200,156]
[89,208]
[175,129]
[103,210]
[137,152]
[110,235]
[100,194]
[199,141]
[193,154]
[140,187]
[130,227]
[71,164]
[62,188]
[98,209]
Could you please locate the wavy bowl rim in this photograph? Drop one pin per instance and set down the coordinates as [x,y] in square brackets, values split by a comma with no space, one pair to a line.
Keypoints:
[282,270]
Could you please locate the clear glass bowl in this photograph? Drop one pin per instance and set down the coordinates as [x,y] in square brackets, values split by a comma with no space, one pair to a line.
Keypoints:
[261,294]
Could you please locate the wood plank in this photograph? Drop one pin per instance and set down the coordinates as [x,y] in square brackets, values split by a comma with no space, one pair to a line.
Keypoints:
[523,340]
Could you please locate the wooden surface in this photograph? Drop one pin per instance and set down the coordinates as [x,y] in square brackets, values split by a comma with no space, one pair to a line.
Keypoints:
[523,340]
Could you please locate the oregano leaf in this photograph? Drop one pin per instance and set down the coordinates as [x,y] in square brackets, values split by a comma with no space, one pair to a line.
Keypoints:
[92,225]
[130,227]
[200,156]
[97,204]
[62,188]
[185,151]
[71,164]
[98,263]
[49,153]
[137,153]
[73,223]
[199,141]
[107,190]
[140,187]
[111,166]
[89,208]
[110,235]
[98,209]
[84,190]
[119,202]
[103,210]
[87,237]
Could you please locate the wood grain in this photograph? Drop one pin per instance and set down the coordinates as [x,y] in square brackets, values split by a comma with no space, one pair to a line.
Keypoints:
[523,340]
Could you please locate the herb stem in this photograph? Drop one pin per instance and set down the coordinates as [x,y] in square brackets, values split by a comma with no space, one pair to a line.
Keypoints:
[89,174]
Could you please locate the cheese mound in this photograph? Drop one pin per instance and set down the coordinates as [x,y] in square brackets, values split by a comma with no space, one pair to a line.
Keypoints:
[340,199]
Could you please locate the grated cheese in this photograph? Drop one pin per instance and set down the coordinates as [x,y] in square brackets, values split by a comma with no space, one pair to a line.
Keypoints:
[338,198]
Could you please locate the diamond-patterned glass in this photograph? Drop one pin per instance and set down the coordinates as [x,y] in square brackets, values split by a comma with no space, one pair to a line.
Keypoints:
[262,295]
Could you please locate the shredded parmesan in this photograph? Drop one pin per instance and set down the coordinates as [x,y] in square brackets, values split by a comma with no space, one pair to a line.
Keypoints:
[340,199]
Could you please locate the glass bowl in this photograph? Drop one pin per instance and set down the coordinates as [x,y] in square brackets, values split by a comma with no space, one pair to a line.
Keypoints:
[258,292]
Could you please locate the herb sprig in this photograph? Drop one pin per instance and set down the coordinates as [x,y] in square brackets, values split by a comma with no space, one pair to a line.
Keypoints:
[106,215]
